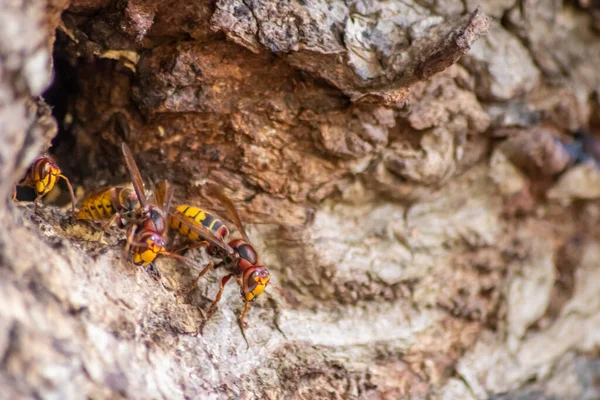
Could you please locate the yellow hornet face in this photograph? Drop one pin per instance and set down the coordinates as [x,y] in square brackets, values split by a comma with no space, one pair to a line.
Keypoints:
[255,283]
[46,181]
[143,256]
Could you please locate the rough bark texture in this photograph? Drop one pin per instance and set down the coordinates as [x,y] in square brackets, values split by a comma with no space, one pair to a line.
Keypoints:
[421,177]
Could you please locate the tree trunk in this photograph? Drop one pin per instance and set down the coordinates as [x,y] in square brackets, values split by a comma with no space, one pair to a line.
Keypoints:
[421,178]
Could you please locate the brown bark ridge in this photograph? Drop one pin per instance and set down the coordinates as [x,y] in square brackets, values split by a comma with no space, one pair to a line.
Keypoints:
[420,177]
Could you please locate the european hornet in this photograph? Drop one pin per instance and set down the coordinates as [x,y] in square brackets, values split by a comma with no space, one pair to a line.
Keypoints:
[238,256]
[147,231]
[114,204]
[42,176]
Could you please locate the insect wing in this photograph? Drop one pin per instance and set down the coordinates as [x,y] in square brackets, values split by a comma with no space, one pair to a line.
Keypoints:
[136,177]
[202,232]
[96,193]
[164,195]
[217,192]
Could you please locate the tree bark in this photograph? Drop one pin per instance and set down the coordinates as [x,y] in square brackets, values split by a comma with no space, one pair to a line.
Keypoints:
[421,178]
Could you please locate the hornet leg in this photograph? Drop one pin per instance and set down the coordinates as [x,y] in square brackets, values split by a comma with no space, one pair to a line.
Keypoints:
[37,201]
[195,282]
[244,324]
[106,226]
[130,235]
[213,306]
[246,308]
[70,192]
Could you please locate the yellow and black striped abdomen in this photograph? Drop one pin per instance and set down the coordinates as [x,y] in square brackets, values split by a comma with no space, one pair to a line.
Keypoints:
[198,216]
[98,206]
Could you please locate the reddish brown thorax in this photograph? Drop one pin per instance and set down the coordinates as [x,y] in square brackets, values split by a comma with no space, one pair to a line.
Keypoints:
[248,256]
